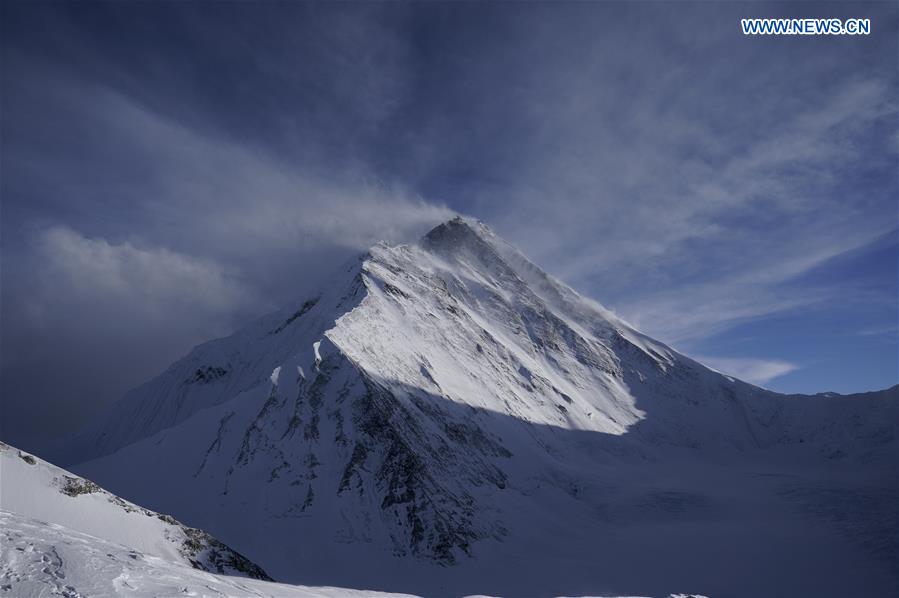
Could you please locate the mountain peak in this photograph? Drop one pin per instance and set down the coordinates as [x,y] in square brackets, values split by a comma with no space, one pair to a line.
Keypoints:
[416,368]
[458,231]
[439,403]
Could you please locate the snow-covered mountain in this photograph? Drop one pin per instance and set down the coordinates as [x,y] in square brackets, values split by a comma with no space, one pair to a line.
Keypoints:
[446,418]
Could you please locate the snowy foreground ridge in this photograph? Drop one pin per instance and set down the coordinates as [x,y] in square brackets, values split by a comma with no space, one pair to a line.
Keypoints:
[62,535]
[36,489]
[45,559]
[443,418]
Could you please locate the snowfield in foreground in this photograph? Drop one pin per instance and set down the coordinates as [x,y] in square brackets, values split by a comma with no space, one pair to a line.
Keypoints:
[63,535]
[32,488]
[45,559]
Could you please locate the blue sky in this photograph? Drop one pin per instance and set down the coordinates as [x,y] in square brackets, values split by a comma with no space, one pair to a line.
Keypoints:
[171,171]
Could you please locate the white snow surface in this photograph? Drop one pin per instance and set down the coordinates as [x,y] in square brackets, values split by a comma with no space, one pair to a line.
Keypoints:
[34,489]
[60,535]
[461,422]
[46,559]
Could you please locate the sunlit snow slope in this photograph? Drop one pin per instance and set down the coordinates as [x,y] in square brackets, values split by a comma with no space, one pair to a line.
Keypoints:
[445,418]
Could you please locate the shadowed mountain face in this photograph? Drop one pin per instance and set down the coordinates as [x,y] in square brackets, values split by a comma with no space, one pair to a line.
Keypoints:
[445,418]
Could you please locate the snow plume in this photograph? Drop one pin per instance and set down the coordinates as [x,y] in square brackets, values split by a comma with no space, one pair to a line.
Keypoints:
[757,371]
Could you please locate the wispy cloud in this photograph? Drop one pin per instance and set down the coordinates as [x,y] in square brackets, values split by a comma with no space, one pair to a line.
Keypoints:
[880,331]
[152,285]
[756,371]
[688,223]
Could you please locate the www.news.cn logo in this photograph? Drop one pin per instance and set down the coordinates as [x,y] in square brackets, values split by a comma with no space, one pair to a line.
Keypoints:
[806,26]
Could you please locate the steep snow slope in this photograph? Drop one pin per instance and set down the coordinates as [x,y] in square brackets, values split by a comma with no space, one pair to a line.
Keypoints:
[34,489]
[450,419]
